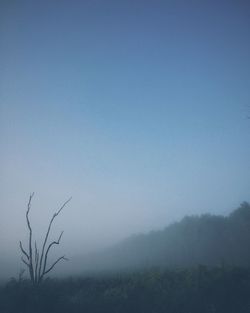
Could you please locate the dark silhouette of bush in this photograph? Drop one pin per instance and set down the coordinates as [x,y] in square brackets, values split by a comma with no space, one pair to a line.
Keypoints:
[201,289]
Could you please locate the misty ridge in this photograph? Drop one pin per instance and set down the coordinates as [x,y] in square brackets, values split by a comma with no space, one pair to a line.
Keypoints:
[207,239]
[199,264]
[211,240]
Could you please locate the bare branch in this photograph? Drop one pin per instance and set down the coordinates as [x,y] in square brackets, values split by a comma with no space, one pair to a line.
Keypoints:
[26,263]
[47,251]
[30,239]
[36,261]
[23,251]
[64,204]
[52,266]
[32,258]
[47,234]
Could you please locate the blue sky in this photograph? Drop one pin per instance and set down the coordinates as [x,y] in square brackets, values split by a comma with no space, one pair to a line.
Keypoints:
[138,109]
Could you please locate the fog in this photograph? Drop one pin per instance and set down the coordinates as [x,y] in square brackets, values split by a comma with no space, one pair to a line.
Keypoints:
[139,112]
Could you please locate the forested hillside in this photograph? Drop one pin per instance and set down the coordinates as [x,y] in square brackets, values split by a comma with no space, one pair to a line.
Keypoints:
[207,239]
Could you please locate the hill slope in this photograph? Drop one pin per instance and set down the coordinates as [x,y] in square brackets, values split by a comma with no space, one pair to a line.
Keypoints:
[206,239]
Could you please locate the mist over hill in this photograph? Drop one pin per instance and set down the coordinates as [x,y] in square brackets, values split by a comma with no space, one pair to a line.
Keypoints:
[211,240]
[206,239]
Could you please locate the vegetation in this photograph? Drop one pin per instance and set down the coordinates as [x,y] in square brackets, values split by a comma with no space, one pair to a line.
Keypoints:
[202,289]
[35,260]
[203,266]
[207,239]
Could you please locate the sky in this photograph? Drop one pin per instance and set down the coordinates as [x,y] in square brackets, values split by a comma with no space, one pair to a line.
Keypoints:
[137,109]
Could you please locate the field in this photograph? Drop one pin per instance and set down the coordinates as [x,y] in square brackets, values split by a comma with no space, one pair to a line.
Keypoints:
[197,290]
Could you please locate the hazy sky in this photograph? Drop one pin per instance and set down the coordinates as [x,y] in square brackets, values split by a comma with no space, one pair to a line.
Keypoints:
[137,109]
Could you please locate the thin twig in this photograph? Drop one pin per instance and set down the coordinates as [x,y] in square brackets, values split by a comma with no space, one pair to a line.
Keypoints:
[59,259]
[23,251]
[36,261]
[30,239]
[47,251]
[47,234]
[26,263]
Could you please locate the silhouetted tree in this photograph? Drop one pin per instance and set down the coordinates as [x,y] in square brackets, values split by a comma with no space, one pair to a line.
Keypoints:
[35,260]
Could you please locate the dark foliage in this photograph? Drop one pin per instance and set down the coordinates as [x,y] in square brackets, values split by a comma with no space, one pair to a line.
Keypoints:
[202,289]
